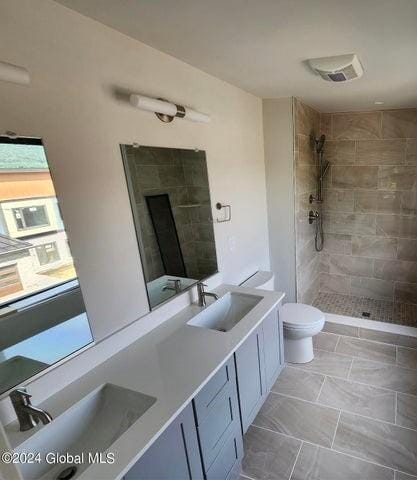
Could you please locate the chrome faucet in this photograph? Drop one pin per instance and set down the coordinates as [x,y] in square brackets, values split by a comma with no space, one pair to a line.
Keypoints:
[27,415]
[176,285]
[202,294]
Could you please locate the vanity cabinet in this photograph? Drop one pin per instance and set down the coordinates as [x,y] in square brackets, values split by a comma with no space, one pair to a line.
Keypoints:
[259,361]
[175,454]
[273,347]
[250,373]
[218,425]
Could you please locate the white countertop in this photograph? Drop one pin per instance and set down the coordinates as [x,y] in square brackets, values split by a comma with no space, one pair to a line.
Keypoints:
[171,363]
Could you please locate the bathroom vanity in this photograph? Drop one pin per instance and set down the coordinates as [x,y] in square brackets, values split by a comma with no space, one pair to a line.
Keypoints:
[175,403]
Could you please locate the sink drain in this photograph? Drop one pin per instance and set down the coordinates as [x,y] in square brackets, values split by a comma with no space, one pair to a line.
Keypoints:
[67,473]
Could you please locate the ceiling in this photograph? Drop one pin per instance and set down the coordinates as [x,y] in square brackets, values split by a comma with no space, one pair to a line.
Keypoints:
[261,45]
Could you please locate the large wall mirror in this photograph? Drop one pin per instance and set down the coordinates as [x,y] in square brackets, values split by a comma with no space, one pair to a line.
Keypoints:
[42,312]
[170,199]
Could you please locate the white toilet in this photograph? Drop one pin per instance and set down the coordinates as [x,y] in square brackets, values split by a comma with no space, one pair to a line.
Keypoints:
[300,322]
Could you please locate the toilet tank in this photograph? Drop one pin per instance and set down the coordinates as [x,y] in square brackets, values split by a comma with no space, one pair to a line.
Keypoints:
[261,279]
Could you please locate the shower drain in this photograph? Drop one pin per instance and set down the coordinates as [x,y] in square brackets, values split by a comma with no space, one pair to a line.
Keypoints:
[67,473]
[366,314]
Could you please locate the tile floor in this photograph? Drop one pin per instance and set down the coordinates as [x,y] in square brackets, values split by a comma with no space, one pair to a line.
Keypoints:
[350,414]
[382,310]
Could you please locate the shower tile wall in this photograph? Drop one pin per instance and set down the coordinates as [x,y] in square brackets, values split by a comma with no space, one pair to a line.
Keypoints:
[306,123]
[370,208]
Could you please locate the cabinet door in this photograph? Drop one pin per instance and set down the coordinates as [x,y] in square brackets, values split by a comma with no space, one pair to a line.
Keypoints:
[250,373]
[273,347]
[174,456]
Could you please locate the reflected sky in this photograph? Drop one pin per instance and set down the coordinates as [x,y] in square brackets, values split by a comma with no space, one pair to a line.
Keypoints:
[55,343]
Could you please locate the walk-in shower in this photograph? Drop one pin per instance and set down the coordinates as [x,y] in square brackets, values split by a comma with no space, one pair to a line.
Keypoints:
[317,216]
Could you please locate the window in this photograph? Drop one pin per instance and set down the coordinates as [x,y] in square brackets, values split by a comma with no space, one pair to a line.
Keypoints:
[27,203]
[47,253]
[30,217]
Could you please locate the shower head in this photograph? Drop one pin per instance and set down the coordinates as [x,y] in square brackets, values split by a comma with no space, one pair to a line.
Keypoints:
[320,143]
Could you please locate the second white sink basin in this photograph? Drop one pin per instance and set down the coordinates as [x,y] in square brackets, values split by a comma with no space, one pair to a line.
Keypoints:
[90,426]
[225,313]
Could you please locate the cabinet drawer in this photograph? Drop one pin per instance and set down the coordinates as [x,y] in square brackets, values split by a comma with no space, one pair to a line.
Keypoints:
[218,425]
[214,389]
[227,463]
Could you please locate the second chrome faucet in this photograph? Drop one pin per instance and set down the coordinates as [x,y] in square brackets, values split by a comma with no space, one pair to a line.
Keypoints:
[202,294]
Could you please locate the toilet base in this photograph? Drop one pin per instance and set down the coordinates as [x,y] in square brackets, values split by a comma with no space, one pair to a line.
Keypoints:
[298,350]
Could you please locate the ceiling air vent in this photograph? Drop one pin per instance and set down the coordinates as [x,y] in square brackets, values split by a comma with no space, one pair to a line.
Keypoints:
[337,69]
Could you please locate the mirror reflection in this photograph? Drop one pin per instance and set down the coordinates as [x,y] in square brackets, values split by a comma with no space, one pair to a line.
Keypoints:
[170,199]
[42,312]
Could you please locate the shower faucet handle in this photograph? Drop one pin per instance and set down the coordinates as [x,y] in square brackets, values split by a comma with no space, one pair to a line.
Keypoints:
[313,216]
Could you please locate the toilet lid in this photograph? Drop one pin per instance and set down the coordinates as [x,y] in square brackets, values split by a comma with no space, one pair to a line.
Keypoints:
[301,315]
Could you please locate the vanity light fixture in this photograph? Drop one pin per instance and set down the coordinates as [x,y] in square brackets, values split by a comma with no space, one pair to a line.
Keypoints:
[14,74]
[167,111]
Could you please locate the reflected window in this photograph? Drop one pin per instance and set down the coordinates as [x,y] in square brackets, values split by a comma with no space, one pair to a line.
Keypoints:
[47,253]
[30,217]
[42,311]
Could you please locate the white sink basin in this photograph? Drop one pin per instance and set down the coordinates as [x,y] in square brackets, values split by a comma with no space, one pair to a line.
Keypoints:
[225,313]
[92,425]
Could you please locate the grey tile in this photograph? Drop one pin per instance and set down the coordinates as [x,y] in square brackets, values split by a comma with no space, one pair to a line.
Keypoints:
[399,123]
[387,337]
[384,375]
[409,203]
[405,314]
[326,125]
[396,226]
[338,243]
[299,419]
[357,398]
[406,292]
[298,383]
[397,178]
[268,455]
[333,283]
[404,476]
[325,341]
[400,270]
[355,177]
[389,202]
[366,201]
[357,347]
[338,200]
[317,463]
[307,120]
[374,247]
[341,329]
[380,152]
[379,442]
[329,363]
[407,357]
[352,223]
[340,152]
[357,126]
[407,249]
[350,265]
[372,288]
[407,411]
[411,151]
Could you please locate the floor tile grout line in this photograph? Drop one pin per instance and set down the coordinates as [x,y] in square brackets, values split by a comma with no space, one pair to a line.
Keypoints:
[319,404]
[327,448]
[335,430]
[396,407]
[321,388]
[350,369]
[363,358]
[356,381]
[296,459]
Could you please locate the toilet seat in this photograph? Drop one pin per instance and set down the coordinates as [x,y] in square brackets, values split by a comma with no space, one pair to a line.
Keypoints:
[298,316]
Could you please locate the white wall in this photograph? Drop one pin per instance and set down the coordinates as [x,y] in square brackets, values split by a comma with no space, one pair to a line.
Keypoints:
[80,71]
[279,165]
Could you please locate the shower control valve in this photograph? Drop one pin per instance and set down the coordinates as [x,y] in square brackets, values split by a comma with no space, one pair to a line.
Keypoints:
[313,216]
